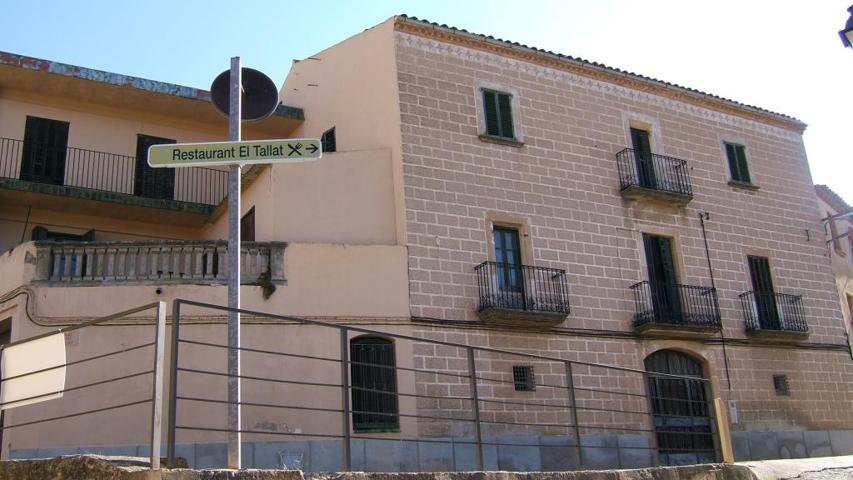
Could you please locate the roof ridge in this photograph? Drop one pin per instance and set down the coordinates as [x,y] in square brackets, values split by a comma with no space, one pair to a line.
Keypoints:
[604,67]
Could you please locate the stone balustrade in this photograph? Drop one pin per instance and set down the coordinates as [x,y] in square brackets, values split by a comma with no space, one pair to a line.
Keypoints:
[160,261]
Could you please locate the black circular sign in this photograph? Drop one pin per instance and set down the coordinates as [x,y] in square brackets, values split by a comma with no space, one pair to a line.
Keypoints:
[260,97]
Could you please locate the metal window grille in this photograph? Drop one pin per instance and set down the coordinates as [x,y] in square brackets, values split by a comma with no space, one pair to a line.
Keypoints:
[523,378]
[780,384]
[374,385]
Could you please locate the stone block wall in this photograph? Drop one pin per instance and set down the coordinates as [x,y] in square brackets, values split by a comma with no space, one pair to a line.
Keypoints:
[560,187]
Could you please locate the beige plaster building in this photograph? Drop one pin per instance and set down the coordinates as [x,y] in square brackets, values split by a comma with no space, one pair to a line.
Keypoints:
[473,191]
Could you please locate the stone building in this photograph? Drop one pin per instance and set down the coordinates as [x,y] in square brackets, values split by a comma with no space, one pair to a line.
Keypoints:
[608,228]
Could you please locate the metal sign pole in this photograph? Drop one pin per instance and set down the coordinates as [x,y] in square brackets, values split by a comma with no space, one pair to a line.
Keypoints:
[234,172]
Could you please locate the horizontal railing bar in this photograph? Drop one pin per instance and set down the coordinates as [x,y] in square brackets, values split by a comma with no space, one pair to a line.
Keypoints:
[418,339]
[257,404]
[77,362]
[256,432]
[525,404]
[258,350]
[79,387]
[78,414]
[609,392]
[85,324]
[263,379]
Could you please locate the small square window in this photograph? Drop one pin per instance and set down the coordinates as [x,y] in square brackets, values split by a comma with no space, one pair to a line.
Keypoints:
[523,378]
[780,384]
[328,141]
[497,107]
[736,155]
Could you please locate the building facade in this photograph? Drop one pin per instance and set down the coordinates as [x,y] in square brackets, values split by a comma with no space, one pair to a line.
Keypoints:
[476,193]
[839,243]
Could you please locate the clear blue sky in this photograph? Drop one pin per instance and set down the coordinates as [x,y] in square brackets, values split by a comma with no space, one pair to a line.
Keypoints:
[780,55]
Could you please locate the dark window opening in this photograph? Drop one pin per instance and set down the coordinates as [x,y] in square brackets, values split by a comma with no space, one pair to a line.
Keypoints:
[523,378]
[498,110]
[247,226]
[780,384]
[374,385]
[152,182]
[663,282]
[508,261]
[765,295]
[643,158]
[328,141]
[45,144]
[736,155]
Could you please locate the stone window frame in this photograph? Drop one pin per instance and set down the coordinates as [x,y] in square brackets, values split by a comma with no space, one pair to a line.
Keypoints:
[495,219]
[515,107]
[677,250]
[643,122]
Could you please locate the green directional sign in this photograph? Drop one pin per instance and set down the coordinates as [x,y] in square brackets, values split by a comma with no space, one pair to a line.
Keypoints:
[231,153]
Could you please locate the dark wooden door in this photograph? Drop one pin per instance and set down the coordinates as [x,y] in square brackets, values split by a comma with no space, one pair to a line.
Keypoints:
[681,409]
[643,158]
[152,182]
[663,283]
[765,295]
[45,144]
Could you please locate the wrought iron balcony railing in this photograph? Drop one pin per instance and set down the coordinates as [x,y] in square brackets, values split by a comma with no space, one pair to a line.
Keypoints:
[522,287]
[773,312]
[675,305]
[107,172]
[654,172]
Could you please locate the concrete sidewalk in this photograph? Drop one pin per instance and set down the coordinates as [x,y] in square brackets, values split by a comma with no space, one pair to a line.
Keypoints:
[792,468]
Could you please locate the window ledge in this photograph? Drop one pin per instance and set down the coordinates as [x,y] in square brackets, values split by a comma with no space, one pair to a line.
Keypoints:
[500,140]
[744,185]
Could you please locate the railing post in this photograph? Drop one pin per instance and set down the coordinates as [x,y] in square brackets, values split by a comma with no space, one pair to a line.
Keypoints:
[475,401]
[570,384]
[157,389]
[653,433]
[345,410]
[173,381]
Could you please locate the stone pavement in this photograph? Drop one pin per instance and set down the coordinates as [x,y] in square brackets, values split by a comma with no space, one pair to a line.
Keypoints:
[821,468]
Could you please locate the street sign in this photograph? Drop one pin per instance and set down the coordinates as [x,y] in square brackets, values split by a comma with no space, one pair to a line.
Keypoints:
[234,153]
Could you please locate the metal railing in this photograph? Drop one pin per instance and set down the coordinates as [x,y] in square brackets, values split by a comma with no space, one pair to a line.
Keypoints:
[653,171]
[106,172]
[455,404]
[675,304]
[163,261]
[522,287]
[773,311]
[38,391]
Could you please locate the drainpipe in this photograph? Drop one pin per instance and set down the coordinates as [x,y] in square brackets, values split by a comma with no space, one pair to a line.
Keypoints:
[703,215]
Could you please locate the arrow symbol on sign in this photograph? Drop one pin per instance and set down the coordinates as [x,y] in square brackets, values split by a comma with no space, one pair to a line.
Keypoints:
[294,149]
[311,148]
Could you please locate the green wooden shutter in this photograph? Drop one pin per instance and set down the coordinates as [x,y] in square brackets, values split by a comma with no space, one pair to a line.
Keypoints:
[743,170]
[505,115]
[731,155]
[491,111]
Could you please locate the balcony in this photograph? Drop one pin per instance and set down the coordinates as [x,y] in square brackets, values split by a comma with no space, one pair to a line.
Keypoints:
[684,311]
[155,262]
[38,173]
[774,316]
[522,295]
[654,178]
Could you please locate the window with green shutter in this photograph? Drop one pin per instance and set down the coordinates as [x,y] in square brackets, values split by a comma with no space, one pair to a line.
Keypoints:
[498,110]
[736,155]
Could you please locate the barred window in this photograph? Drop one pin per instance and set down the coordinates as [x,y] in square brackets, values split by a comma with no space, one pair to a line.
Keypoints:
[523,378]
[374,385]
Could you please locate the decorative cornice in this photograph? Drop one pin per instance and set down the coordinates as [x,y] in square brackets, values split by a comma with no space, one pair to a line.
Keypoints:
[594,71]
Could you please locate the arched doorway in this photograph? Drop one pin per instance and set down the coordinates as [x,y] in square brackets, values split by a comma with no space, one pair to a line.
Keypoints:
[681,409]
